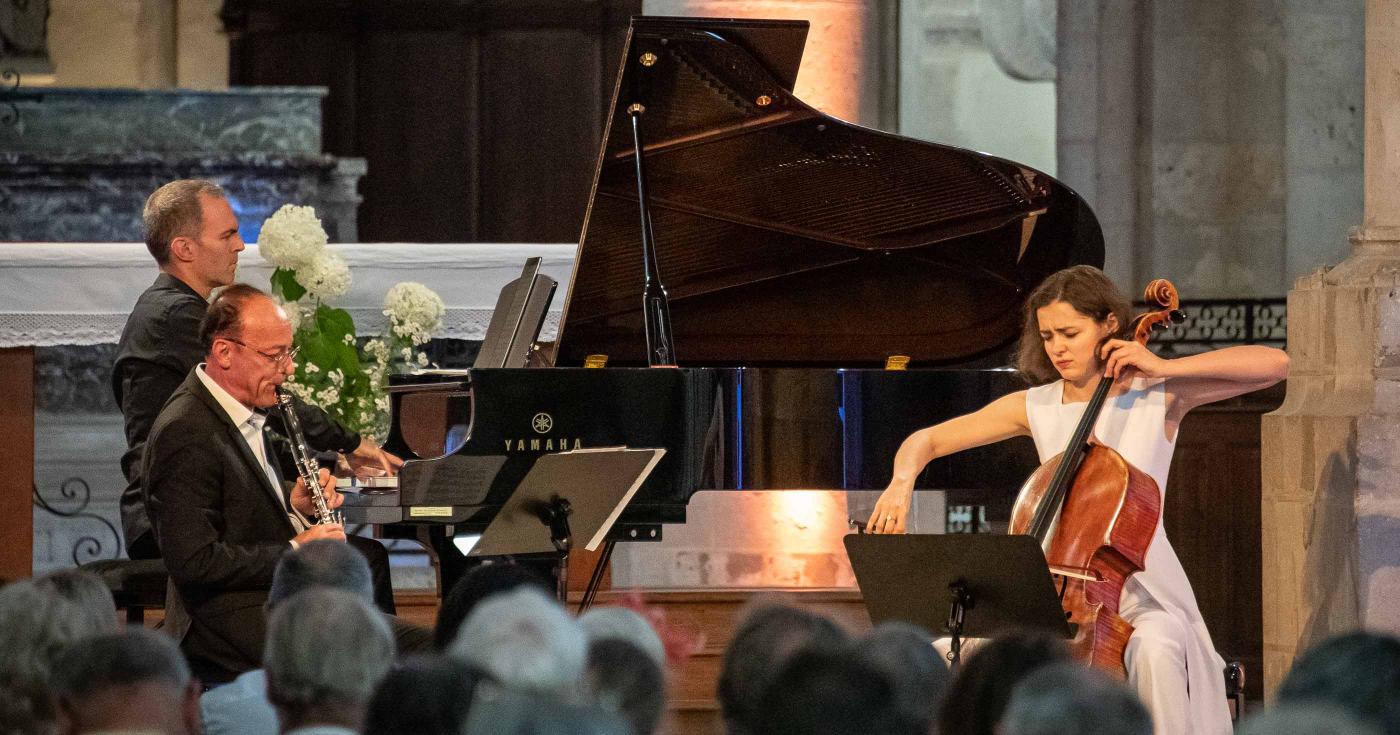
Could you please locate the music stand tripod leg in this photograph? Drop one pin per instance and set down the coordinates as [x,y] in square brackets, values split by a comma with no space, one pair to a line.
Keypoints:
[596,580]
[958,606]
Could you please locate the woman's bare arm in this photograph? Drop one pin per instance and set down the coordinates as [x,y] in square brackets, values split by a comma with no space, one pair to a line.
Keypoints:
[1000,419]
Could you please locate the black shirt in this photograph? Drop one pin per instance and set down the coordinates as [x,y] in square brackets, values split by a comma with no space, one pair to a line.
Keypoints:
[158,349]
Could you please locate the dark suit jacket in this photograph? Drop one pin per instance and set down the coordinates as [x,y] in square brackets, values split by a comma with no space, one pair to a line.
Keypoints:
[158,349]
[221,529]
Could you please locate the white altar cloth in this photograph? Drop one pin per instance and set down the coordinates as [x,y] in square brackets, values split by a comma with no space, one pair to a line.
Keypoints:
[81,293]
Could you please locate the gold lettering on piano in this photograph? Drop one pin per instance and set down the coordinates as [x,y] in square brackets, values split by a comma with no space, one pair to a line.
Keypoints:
[543,445]
[430,511]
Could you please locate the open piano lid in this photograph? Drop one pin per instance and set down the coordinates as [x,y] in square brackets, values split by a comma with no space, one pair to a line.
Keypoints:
[788,237]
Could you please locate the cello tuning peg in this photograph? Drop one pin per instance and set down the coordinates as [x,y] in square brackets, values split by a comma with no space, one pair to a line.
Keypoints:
[1177,316]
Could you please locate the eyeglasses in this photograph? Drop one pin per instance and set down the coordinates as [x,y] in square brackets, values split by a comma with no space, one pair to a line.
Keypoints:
[281,357]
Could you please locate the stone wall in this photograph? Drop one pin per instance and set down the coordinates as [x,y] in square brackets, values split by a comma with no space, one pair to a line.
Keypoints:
[146,44]
[1219,143]
[956,87]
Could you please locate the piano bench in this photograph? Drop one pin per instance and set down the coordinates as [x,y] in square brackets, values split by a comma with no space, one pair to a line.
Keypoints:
[136,585]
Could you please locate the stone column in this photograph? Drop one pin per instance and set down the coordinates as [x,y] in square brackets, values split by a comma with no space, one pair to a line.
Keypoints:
[1331,468]
[841,65]
[1100,94]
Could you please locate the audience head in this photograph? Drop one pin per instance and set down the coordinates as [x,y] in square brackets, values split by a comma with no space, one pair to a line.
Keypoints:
[906,656]
[36,624]
[87,592]
[476,585]
[1071,698]
[767,636]
[326,651]
[423,696]
[192,232]
[321,563]
[1305,718]
[979,691]
[133,681]
[620,623]
[1359,672]
[623,679]
[524,640]
[831,691]
[249,342]
[503,712]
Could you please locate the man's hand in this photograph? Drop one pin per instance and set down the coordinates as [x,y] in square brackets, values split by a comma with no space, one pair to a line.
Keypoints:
[333,531]
[369,456]
[301,495]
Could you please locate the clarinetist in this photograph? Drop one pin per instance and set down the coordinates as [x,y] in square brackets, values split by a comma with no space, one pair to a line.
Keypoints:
[222,514]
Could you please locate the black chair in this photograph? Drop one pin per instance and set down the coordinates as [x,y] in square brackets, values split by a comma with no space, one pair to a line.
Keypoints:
[1234,688]
[136,585]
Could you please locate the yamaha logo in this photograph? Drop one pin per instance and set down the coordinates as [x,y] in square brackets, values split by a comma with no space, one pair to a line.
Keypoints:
[542,423]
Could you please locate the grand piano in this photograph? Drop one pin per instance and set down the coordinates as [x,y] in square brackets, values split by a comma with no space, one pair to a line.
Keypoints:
[799,252]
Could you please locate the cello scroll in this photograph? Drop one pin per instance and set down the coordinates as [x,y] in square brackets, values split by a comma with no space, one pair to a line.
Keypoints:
[1162,293]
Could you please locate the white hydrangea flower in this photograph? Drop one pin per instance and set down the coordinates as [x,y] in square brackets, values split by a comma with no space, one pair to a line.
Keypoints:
[292,237]
[326,277]
[300,391]
[382,403]
[337,377]
[378,350]
[328,397]
[311,367]
[422,359]
[349,339]
[414,310]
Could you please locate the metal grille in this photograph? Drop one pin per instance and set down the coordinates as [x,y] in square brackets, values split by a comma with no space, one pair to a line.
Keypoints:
[1212,323]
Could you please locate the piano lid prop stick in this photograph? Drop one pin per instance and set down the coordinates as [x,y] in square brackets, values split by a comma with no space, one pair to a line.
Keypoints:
[656,308]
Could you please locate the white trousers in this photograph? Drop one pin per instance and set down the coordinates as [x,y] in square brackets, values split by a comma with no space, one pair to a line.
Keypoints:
[1157,659]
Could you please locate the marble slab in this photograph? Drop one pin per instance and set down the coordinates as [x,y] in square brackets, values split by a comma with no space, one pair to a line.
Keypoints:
[248,119]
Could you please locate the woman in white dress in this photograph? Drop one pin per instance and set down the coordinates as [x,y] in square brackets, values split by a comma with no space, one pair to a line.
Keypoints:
[1068,343]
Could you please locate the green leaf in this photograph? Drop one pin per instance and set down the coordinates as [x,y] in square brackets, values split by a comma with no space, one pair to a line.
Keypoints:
[284,284]
[334,322]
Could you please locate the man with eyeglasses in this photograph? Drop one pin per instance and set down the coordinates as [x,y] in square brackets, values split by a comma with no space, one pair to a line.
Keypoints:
[220,510]
[192,233]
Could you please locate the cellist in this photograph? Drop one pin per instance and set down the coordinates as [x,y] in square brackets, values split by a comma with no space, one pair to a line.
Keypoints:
[1069,340]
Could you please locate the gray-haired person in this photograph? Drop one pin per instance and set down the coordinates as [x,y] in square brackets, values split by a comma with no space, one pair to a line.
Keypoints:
[132,681]
[524,641]
[241,706]
[621,623]
[326,652]
[1070,698]
[37,622]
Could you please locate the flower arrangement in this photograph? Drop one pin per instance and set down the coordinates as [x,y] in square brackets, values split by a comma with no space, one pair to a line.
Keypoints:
[345,376]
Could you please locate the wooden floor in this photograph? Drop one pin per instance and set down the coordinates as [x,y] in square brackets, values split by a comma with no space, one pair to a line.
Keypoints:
[710,616]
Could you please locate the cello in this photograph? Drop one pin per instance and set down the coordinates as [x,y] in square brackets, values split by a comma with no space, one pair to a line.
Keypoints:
[1095,514]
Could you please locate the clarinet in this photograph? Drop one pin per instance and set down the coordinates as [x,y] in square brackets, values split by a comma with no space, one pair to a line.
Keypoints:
[307,466]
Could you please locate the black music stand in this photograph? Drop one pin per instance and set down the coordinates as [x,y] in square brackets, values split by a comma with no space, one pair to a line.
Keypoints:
[965,585]
[564,497]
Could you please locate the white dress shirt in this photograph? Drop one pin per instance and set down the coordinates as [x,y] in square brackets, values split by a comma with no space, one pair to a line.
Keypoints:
[250,425]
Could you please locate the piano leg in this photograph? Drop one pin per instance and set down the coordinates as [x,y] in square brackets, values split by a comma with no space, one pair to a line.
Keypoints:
[451,562]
